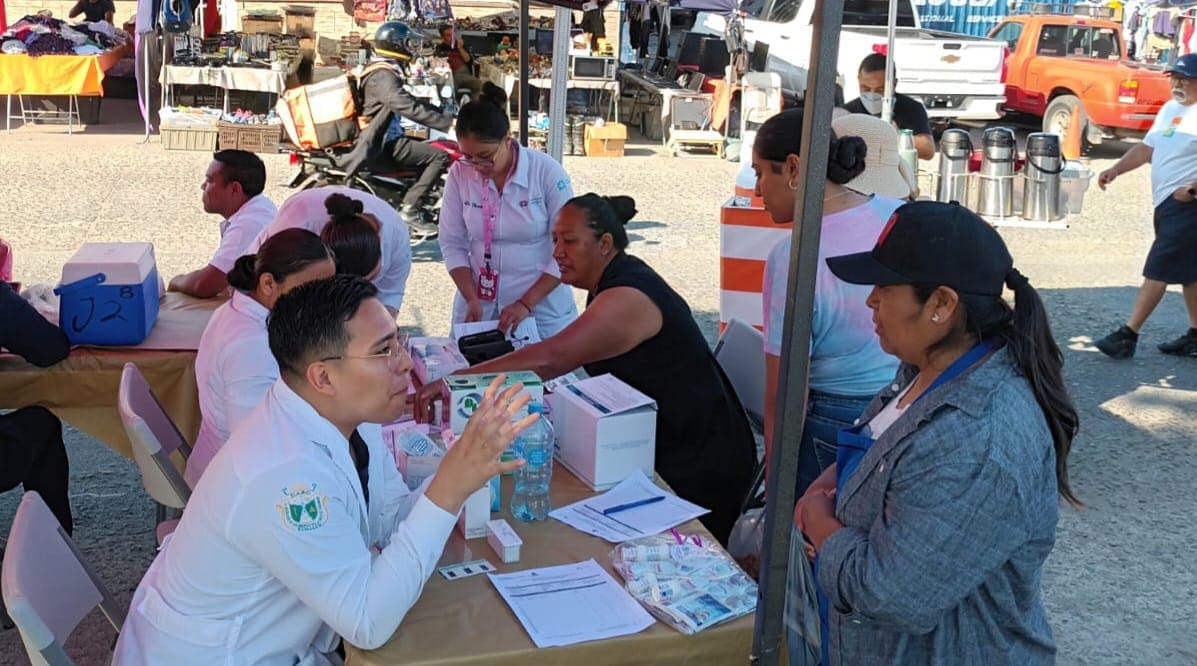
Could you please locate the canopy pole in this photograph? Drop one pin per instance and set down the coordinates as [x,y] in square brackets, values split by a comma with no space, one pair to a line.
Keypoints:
[795,359]
[887,105]
[525,88]
[559,95]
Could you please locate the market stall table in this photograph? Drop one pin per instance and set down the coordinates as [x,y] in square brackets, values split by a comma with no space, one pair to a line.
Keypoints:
[656,88]
[252,79]
[496,75]
[466,621]
[82,390]
[69,75]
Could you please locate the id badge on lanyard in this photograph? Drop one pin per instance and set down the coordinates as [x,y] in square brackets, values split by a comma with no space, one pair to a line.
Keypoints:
[488,277]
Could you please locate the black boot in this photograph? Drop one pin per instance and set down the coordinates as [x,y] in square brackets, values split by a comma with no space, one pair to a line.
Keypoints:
[1119,344]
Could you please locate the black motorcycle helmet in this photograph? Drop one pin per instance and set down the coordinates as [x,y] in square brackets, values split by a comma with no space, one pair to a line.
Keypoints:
[390,41]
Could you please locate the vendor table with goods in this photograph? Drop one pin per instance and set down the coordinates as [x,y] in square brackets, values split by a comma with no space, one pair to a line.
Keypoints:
[82,390]
[44,56]
[252,79]
[508,81]
[465,621]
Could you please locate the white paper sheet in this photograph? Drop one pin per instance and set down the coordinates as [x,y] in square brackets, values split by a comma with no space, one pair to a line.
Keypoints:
[647,520]
[525,332]
[605,394]
[571,603]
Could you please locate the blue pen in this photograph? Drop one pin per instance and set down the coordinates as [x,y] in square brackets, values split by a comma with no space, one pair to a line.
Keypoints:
[632,505]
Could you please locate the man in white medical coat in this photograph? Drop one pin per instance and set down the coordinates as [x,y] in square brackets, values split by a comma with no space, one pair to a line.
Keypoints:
[301,529]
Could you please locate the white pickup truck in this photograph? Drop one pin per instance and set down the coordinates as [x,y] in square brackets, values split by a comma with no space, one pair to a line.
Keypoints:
[957,77]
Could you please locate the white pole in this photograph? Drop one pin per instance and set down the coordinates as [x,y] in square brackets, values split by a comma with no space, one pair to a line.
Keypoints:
[558,88]
[887,105]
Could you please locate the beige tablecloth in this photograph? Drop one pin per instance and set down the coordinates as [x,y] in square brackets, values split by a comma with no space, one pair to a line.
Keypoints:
[82,390]
[467,622]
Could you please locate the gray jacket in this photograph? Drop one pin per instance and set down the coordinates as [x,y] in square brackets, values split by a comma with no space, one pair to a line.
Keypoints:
[947,523]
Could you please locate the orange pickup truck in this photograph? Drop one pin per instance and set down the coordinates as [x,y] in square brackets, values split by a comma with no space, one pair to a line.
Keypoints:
[1058,62]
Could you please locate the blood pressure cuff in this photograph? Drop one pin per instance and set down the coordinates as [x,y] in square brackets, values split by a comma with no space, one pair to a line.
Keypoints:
[484,346]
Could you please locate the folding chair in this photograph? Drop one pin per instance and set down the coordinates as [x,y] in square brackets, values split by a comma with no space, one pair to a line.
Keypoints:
[741,353]
[47,586]
[155,438]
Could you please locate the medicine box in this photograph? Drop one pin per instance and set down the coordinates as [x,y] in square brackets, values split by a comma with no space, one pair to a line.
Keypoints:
[417,454]
[606,430]
[503,540]
[109,294]
[475,513]
[465,393]
[434,358]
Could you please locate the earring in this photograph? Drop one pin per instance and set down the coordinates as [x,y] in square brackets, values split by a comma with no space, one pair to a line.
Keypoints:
[793,184]
[935,318]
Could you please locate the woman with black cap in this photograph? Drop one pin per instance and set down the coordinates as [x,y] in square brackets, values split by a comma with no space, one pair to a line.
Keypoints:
[932,528]
[637,328]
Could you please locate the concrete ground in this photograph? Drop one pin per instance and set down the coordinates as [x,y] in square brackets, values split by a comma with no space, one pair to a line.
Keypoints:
[1121,584]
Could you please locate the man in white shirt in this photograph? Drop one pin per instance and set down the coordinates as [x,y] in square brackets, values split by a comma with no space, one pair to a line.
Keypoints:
[1171,148]
[232,189]
[301,529]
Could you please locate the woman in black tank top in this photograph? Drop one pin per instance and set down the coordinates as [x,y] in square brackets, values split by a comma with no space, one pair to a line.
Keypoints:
[639,329]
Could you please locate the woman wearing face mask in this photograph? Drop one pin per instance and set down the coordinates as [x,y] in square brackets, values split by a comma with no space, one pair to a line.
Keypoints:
[637,328]
[847,366]
[234,367]
[932,528]
[494,225]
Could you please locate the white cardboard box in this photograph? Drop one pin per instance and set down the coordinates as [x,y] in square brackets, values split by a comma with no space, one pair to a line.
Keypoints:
[503,540]
[605,430]
[475,513]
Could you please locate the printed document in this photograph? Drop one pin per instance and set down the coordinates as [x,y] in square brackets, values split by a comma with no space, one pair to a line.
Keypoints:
[571,603]
[645,520]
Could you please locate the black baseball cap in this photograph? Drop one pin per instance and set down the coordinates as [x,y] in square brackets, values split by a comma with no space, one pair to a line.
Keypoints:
[1186,66]
[932,243]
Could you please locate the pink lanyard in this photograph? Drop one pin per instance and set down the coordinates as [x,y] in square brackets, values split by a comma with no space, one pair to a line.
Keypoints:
[491,207]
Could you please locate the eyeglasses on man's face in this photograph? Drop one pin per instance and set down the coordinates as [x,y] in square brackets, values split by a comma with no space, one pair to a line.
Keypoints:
[393,349]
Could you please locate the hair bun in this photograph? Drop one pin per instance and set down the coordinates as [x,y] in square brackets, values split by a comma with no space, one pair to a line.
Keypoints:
[847,159]
[493,94]
[244,273]
[624,207]
[341,207]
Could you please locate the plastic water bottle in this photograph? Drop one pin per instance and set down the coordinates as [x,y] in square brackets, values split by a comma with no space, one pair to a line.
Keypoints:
[530,499]
[908,152]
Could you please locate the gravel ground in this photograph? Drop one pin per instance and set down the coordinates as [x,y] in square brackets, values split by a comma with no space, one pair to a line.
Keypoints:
[1121,575]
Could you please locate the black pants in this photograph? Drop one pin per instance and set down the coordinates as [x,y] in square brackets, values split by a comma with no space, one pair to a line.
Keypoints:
[409,153]
[32,455]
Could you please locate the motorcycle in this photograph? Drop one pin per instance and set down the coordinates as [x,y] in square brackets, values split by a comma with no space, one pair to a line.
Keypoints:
[319,168]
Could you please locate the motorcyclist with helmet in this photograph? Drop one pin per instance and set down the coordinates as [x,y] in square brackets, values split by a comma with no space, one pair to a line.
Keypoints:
[383,102]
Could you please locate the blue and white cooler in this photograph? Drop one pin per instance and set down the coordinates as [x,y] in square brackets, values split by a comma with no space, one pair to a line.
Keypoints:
[109,294]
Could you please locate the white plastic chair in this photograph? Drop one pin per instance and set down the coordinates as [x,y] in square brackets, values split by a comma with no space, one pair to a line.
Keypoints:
[741,353]
[47,586]
[154,438]
[760,99]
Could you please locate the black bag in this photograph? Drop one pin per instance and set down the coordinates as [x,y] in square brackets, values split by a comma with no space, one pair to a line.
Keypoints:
[481,347]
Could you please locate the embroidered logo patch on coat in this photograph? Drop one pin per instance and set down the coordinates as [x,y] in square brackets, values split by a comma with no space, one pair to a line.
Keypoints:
[302,509]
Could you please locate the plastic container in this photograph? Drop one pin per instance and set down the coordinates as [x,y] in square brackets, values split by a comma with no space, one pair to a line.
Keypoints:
[1074,182]
[530,497]
[109,294]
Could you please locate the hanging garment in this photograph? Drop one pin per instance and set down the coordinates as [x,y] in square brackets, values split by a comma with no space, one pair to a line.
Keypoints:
[1162,24]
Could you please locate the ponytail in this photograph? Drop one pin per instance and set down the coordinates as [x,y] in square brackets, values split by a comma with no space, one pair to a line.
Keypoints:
[1027,335]
[352,234]
[1037,355]
[282,255]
